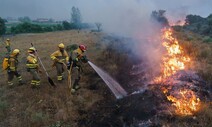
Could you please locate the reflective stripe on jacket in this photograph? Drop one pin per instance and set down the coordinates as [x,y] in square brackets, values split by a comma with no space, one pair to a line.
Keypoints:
[32,61]
[13,63]
[57,55]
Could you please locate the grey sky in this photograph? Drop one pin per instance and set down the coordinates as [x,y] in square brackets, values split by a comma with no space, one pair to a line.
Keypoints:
[113,14]
[60,9]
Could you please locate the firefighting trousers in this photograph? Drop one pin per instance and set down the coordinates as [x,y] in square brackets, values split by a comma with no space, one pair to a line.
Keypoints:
[35,77]
[11,75]
[60,70]
[75,78]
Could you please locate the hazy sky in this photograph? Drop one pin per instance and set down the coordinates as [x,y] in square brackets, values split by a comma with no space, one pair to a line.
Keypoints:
[113,14]
[60,9]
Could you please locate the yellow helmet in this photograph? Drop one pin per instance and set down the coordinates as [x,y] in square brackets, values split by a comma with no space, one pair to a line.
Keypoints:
[31,49]
[8,39]
[16,51]
[61,45]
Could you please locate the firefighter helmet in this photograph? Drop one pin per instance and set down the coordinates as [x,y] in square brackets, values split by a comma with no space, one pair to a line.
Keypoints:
[61,45]
[16,51]
[82,47]
[8,39]
[31,50]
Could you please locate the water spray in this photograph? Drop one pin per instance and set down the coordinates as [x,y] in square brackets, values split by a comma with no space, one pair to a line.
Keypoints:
[114,86]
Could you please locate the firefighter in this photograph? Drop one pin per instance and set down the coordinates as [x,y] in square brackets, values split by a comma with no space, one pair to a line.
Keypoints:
[76,59]
[33,67]
[60,57]
[7,45]
[12,67]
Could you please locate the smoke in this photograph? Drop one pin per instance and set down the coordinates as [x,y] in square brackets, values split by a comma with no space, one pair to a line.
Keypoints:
[132,19]
[129,18]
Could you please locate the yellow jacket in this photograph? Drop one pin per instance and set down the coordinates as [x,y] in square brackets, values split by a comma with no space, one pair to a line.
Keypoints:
[57,56]
[13,63]
[32,62]
[7,43]
[77,54]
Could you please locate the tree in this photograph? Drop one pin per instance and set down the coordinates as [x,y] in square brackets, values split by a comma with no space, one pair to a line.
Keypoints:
[24,19]
[66,25]
[2,26]
[98,25]
[76,17]
[192,19]
[159,16]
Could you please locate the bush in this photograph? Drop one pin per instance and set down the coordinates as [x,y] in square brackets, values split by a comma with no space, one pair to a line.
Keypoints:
[27,28]
[2,26]
[35,28]
[207,39]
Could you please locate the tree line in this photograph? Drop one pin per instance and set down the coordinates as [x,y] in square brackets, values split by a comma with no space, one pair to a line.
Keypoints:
[198,24]
[28,27]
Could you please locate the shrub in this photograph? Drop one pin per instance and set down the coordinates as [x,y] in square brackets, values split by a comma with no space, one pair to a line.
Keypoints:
[207,39]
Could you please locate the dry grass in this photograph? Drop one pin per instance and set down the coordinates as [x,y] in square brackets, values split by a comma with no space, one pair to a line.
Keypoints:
[200,53]
[23,106]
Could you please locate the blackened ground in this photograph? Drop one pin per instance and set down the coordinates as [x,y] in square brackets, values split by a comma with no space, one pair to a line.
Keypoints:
[128,111]
[146,109]
[124,112]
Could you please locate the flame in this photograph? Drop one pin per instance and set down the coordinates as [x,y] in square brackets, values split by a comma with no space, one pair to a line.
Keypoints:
[175,59]
[185,101]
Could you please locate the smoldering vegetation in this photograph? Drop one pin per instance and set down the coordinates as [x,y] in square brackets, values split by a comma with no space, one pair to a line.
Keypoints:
[146,104]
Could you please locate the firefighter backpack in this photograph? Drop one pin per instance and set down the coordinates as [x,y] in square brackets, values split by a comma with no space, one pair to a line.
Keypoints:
[70,49]
[5,63]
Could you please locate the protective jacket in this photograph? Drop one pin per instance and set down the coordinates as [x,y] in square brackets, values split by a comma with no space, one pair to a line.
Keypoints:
[32,62]
[12,63]
[77,57]
[7,43]
[12,70]
[58,56]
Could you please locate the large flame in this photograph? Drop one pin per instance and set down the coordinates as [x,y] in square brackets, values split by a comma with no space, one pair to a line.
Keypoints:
[185,101]
[175,59]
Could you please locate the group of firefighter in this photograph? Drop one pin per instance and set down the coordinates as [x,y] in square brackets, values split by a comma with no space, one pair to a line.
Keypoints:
[60,58]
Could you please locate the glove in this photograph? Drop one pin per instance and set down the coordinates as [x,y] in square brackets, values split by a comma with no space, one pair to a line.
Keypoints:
[60,61]
[84,59]
[76,60]
[68,65]
[56,60]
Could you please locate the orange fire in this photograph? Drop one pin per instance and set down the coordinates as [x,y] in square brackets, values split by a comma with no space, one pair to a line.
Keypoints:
[175,60]
[186,102]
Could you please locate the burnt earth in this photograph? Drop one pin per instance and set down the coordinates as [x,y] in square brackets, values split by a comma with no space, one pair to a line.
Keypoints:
[124,112]
[144,109]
